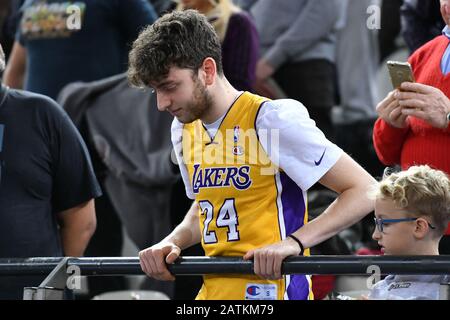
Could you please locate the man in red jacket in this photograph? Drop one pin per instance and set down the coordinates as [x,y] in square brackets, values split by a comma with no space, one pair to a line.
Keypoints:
[413,125]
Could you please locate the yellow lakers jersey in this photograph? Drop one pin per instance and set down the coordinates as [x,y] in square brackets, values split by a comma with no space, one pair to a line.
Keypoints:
[245,201]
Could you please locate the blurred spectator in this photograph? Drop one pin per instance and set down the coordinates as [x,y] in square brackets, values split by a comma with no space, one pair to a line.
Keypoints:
[298,49]
[132,139]
[355,115]
[59,42]
[56,45]
[238,36]
[413,124]
[47,184]
[245,4]
[162,6]
[421,21]
[389,33]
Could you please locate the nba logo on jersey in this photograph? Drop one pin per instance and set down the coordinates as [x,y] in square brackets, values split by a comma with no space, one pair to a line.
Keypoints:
[255,291]
[236,134]
[237,150]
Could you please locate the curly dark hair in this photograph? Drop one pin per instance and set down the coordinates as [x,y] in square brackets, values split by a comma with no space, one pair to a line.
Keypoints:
[182,39]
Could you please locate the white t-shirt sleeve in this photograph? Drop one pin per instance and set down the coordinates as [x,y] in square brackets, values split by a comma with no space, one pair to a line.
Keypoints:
[177,135]
[302,150]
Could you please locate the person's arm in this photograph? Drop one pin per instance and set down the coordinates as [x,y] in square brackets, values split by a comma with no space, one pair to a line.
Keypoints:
[388,142]
[352,183]
[315,21]
[77,225]
[15,69]
[153,260]
[390,130]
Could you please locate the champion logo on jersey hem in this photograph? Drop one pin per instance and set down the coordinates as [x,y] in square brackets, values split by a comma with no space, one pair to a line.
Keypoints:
[257,291]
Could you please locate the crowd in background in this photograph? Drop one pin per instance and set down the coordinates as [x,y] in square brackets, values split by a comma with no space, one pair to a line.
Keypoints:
[322,53]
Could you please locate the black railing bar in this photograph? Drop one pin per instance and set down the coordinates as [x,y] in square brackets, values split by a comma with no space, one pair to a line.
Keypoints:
[338,265]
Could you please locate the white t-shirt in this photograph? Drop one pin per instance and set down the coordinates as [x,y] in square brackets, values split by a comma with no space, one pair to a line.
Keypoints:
[303,151]
[409,287]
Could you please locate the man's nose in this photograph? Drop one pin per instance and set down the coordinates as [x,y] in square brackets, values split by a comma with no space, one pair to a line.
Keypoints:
[162,101]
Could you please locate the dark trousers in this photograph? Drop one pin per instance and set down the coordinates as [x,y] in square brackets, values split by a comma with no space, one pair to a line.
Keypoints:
[106,242]
[313,83]
[356,139]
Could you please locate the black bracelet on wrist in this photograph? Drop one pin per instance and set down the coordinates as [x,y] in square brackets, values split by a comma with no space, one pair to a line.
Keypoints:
[300,244]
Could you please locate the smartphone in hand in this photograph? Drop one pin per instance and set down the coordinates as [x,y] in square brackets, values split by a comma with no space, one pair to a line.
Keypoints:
[400,72]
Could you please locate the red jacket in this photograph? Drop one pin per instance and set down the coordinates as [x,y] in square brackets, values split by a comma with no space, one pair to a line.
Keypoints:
[419,143]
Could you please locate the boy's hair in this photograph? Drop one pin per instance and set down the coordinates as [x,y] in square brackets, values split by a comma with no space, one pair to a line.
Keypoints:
[182,39]
[420,190]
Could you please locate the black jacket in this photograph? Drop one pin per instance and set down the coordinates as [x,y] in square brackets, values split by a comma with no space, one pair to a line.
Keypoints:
[133,141]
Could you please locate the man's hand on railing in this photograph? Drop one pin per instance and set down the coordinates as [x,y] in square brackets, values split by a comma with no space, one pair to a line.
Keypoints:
[153,260]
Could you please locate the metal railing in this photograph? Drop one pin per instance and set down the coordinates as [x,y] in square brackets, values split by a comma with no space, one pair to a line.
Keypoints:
[60,269]
[337,265]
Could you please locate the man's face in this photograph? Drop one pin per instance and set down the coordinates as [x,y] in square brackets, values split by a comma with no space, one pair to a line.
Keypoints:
[183,95]
[445,11]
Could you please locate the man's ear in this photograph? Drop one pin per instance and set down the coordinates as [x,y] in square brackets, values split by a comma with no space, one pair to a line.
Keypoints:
[209,68]
[421,229]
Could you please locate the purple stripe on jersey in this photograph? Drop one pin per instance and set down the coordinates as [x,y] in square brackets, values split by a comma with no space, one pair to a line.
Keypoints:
[293,204]
[294,215]
[298,288]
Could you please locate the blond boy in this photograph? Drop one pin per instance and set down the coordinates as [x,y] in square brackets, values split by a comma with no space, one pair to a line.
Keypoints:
[412,211]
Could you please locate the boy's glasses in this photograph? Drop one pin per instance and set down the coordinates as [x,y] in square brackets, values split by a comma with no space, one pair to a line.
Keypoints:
[381,222]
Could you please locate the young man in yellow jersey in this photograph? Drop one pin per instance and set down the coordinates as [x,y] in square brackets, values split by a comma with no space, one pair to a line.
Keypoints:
[245,161]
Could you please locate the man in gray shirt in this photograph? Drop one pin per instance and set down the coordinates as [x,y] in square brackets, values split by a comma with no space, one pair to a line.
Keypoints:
[298,48]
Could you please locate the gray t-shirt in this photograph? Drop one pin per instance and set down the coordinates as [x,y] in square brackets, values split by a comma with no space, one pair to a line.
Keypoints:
[408,287]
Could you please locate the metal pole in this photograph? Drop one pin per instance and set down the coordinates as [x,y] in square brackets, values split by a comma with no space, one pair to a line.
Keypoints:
[338,265]
[28,266]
